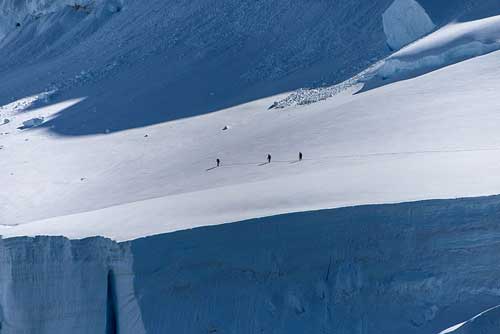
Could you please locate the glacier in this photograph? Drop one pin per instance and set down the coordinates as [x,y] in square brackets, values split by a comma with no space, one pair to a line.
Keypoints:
[114,218]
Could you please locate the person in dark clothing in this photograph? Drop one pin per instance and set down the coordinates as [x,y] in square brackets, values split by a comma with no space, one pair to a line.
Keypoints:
[218,162]
[300,156]
[268,158]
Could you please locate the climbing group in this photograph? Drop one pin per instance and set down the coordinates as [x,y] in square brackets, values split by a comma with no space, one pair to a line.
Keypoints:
[269,158]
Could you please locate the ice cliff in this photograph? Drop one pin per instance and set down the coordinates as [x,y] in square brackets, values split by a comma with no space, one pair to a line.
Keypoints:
[405,268]
[54,285]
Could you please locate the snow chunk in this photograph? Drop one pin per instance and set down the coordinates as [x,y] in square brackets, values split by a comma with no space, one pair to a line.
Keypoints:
[33,122]
[28,102]
[404,22]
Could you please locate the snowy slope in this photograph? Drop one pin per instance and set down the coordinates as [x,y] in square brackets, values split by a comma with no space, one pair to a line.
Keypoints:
[148,64]
[416,139]
[433,136]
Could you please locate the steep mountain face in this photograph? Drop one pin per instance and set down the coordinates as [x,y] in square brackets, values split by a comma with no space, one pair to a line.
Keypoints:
[192,57]
[186,58]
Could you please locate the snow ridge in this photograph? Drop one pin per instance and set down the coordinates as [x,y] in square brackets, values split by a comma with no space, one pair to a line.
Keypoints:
[485,322]
[451,44]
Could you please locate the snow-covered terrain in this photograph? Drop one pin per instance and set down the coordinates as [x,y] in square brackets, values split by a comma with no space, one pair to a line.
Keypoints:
[400,142]
[112,116]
